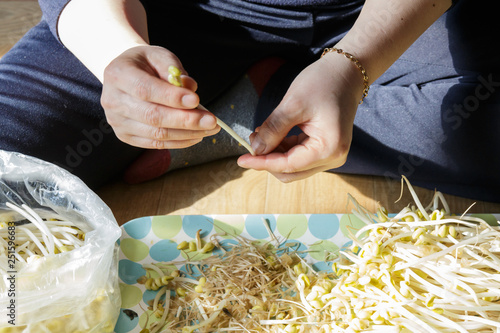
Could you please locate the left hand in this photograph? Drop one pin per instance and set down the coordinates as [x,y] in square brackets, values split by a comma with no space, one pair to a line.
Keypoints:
[322,101]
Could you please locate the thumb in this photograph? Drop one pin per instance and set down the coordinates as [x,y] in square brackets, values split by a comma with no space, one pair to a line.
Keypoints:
[270,134]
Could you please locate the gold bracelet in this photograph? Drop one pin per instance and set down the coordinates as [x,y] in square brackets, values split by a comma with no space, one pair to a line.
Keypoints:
[357,63]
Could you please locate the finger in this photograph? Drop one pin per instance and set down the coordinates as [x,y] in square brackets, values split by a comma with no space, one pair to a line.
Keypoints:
[154,115]
[292,177]
[284,146]
[189,83]
[145,86]
[132,127]
[273,130]
[158,138]
[290,142]
[173,144]
[306,156]
[161,61]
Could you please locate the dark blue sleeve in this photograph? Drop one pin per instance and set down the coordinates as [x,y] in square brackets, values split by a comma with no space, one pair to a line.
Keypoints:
[51,10]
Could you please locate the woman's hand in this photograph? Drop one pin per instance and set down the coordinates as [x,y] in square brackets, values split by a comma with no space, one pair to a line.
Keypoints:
[322,101]
[144,109]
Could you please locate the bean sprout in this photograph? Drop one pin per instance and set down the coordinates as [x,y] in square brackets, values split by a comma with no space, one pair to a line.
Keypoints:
[38,238]
[45,234]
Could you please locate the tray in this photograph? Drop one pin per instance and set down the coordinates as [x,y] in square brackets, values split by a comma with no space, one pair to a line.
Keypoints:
[151,239]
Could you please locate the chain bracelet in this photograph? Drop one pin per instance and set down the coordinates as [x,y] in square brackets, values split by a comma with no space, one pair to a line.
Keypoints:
[352,58]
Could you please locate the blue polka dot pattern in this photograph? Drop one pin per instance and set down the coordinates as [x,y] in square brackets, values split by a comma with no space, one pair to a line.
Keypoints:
[255,227]
[148,296]
[192,223]
[164,250]
[293,245]
[127,321]
[190,270]
[129,271]
[323,266]
[324,226]
[139,229]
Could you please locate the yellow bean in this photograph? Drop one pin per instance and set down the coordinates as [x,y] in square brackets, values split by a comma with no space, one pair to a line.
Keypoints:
[149,283]
[207,248]
[443,231]
[174,70]
[166,278]
[452,231]
[174,80]
[181,292]
[183,245]
[202,281]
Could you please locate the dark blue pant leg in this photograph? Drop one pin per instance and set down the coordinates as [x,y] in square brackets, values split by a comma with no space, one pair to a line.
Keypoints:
[50,108]
[434,115]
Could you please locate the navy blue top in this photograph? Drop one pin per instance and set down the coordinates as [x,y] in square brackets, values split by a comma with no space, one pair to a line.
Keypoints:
[52,8]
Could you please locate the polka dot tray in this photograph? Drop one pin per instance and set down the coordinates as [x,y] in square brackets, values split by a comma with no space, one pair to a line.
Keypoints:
[155,239]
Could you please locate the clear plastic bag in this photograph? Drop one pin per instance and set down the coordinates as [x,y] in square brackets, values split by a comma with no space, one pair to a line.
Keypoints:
[75,291]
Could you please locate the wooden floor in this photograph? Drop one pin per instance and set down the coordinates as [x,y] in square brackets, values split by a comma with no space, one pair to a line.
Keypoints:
[210,189]
[221,187]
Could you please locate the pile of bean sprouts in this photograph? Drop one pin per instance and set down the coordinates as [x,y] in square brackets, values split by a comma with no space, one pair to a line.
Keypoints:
[421,270]
[40,234]
[25,237]
[233,291]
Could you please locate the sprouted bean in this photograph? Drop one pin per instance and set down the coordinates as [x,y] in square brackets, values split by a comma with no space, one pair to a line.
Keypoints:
[422,270]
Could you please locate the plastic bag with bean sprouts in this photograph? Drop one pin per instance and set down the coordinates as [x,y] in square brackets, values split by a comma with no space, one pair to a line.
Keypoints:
[55,284]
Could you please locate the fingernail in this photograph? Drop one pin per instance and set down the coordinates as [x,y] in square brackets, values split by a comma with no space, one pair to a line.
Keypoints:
[189,101]
[208,122]
[257,145]
[242,164]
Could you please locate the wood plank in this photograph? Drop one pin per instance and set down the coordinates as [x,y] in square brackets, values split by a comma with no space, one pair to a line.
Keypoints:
[16,18]
[128,202]
[488,207]
[219,187]
[321,193]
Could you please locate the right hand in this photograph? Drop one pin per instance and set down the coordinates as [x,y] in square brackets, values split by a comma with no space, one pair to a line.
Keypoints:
[145,110]
[322,101]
